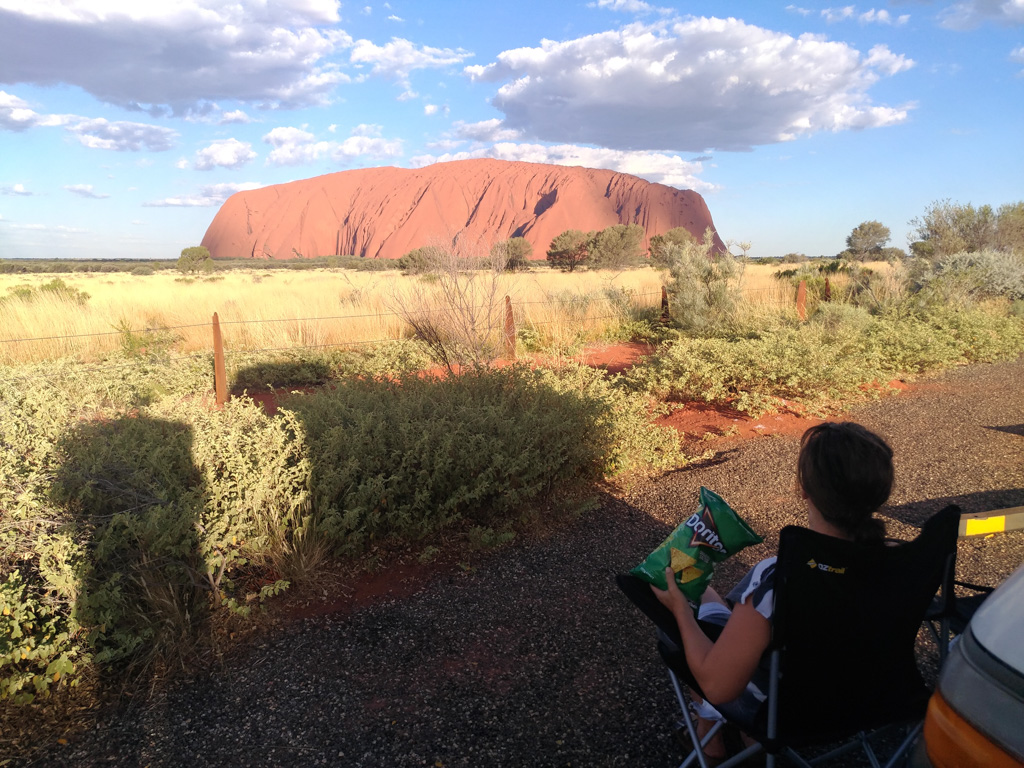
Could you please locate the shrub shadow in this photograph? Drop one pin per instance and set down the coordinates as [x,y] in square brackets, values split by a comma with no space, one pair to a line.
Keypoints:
[135,499]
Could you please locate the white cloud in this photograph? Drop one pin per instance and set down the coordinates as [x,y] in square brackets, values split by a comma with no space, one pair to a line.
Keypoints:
[799,10]
[627,6]
[235,116]
[182,164]
[1017,55]
[15,189]
[176,55]
[430,109]
[392,17]
[367,129]
[832,15]
[658,167]
[485,130]
[689,85]
[971,13]
[400,57]
[95,133]
[207,196]
[884,60]
[228,153]
[85,190]
[295,146]
[882,17]
[119,136]
[15,114]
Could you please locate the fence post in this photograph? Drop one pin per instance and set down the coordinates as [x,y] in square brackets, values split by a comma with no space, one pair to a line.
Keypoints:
[828,291]
[664,304]
[220,378]
[801,300]
[510,331]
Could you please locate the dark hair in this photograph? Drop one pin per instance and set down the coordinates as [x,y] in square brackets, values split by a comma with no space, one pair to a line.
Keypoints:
[847,473]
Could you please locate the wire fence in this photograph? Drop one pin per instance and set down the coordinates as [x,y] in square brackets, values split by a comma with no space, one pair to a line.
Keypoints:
[574,309]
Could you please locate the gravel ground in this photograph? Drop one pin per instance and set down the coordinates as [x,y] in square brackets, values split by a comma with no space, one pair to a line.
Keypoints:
[533,658]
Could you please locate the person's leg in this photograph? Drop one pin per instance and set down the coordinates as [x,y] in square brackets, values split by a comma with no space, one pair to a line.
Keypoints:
[713,610]
[710,596]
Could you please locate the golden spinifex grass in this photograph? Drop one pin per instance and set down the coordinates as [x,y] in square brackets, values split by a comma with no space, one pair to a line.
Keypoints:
[266,310]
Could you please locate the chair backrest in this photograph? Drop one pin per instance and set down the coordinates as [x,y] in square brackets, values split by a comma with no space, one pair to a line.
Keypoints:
[846,621]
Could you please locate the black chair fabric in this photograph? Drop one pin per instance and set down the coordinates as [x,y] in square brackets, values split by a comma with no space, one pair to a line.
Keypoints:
[846,621]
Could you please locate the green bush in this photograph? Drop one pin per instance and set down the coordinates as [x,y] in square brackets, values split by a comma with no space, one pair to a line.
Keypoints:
[704,291]
[131,511]
[833,358]
[55,287]
[119,534]
[401,460]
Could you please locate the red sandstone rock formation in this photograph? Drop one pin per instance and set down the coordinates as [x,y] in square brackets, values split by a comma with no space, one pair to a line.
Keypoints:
[383,213]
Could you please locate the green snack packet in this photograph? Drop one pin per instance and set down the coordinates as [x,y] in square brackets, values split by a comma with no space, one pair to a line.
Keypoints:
[708,536]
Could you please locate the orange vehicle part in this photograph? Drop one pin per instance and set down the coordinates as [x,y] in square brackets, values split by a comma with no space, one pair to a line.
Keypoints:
[952,742]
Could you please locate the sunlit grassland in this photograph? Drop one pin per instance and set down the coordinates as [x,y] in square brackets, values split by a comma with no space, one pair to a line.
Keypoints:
[271,310]
[323,307]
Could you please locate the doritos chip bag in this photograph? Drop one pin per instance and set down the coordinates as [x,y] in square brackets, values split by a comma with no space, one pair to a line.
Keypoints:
[708,536]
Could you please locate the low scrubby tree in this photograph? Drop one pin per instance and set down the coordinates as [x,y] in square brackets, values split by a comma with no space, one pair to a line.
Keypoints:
[867,240]
[569,249]
[660,244]
[513,253]
[617,246]
[421,261]
[946,228]
[1010,228]
[194,259]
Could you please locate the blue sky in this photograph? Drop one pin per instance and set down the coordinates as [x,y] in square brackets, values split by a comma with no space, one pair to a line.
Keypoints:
[125,124]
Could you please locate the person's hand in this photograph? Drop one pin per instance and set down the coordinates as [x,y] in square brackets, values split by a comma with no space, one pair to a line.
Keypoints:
[672,598]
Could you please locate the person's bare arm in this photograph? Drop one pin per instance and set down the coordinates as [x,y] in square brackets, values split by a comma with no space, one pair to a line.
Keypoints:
[721,668]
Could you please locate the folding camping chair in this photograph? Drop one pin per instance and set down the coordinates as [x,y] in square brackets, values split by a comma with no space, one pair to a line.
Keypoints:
[841,662]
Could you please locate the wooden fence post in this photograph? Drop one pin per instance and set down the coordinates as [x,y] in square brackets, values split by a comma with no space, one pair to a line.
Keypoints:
[220,378]
[801,300]
[664,304]
[510,331]
[828,291]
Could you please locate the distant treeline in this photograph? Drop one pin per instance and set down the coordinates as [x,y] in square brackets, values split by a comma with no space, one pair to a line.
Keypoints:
[149,266]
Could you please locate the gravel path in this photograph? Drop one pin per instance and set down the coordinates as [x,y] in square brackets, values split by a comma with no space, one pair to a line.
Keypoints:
[533,658]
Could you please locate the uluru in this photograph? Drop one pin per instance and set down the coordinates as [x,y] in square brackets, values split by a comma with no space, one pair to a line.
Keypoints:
[383,213]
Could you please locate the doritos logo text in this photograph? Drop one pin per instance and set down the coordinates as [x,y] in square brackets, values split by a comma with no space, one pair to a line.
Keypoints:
[705,533]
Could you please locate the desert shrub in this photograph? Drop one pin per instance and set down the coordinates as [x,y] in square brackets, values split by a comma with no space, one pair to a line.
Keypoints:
[401,460]
[968,276]
[705,287]
[141,270]
[660,245]
[459,314]
[420,261]
[812,365]
[56,288]
[830,359]
[512,255]
[120,533]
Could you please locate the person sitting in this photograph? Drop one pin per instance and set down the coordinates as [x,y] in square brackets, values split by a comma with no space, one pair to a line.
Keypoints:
[844,474]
